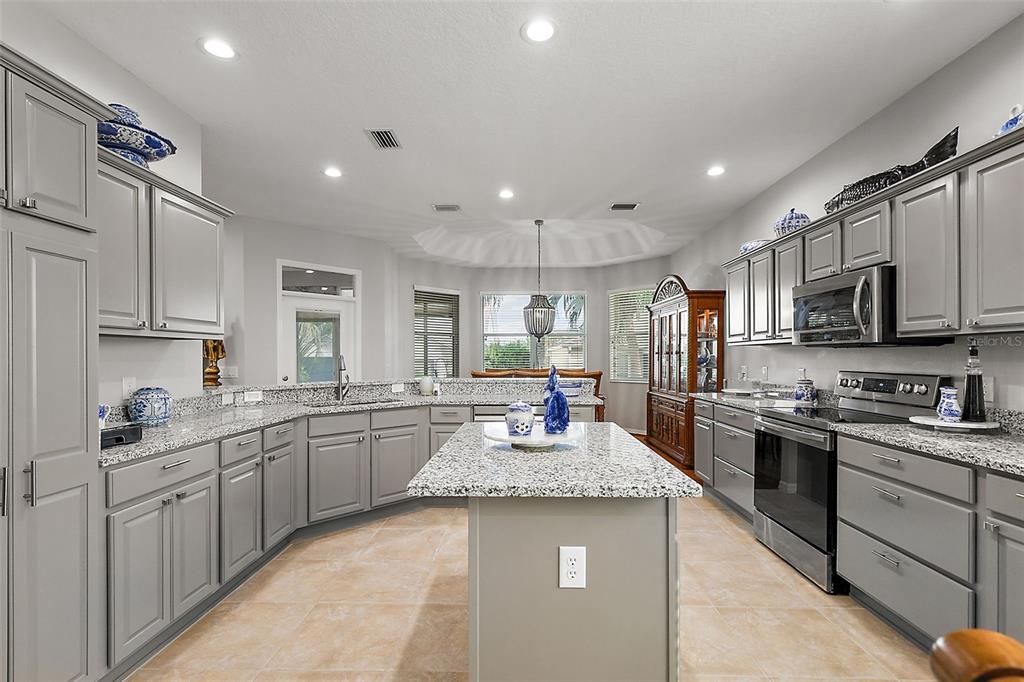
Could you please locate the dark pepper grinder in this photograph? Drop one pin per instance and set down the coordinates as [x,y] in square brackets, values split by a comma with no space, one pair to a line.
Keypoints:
[974,387]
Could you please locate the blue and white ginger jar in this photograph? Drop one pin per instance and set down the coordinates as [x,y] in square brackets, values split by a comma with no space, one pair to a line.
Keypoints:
[949,409]
[791,222]
[519,419]
[150,406]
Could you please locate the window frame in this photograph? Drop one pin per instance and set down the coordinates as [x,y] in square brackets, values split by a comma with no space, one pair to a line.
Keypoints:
[611,344]
[457,337]
[532,341]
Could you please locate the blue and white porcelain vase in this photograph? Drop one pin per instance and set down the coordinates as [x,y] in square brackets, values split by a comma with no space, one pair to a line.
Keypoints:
[519,419]
[949,407]
[150,406]
[556,405]
[804,391]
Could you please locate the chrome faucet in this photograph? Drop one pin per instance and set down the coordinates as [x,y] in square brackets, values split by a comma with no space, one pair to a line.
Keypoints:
[343,380]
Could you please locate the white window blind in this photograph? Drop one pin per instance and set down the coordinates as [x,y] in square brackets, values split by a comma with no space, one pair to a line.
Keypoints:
[507,345]
[436,332]
[628,325]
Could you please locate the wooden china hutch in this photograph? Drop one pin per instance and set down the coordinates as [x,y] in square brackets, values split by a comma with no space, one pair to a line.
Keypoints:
[687,350]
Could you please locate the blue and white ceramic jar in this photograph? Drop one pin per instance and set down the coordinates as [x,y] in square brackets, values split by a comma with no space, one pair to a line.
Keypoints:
[519,419]
[949,407]
[150,406]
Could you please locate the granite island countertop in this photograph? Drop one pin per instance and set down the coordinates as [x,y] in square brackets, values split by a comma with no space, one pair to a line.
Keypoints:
[606,462]
[203,427]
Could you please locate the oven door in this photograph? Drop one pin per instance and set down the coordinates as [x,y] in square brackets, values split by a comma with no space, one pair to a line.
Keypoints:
[795,480]
[840,310]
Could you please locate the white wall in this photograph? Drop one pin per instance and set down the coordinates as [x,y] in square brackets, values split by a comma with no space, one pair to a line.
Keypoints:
[174,365]
[30,29]
[974,92]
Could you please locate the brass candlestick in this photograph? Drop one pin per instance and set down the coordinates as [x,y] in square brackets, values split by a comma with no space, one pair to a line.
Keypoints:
[213,350]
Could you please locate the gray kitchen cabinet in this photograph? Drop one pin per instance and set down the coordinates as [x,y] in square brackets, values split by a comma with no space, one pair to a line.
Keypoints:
[55,530]
[737,301]
[992,239]
[139,577]
[867,237]
[789,272]
[439,435]
[926,236]
[194,544]
[278,495]
[394,460]
[1005,588]
[762,287]
[241,527]
[339,475]
[187,261]
[704,449]
[52,154]
[5,451]
[119,205]
[823,252]
[4,189]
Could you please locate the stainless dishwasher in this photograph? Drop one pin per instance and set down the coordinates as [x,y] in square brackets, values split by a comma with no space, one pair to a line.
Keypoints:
[496,413]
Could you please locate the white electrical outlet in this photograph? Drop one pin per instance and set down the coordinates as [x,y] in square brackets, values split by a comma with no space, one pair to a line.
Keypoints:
[229,372]
[398,388]
[742,375]
[989,386]
[128,387]
[572,567]
[227,399]
[253,396]
[764,372]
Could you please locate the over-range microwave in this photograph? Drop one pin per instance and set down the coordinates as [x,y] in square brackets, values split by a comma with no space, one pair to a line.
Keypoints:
[855,308]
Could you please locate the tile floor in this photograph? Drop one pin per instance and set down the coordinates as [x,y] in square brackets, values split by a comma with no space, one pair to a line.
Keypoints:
[386,601]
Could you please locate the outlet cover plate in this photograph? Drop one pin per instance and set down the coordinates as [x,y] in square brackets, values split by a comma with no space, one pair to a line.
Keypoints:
[398,388]
[572,567]
[253,396]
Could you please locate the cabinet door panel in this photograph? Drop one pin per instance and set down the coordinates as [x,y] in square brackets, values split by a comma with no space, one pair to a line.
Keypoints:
[5,197]
[55,532]
[278,495]
[704,450]
[993,239]
[393,463]
[867,237]
[120,209]
[737,295]
[187,263]
[339,476]
[240,517]
[6,467]
[822,252]
[762,284]
[139,561]
[52,155]
[439,435]
[926,232]
[1007,547]
[789,273]
[195,544]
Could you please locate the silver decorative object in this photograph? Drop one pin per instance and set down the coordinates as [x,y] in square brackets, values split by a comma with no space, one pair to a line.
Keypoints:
[539,314]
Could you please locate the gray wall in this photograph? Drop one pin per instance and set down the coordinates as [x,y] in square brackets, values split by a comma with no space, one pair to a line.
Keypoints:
[974,92]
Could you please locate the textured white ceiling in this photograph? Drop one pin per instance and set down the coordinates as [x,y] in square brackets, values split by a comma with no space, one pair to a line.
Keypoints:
[628,102]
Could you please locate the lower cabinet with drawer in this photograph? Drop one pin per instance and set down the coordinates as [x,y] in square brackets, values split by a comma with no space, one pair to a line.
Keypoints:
[278,495]
[704,449]
[735,484]
[339,475]
[1003,581]
[241,522]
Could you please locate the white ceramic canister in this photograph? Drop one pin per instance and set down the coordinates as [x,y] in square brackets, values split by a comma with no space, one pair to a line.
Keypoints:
[519,419]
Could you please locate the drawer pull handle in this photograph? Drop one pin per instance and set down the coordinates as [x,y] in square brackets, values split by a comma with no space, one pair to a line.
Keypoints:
[991,526]
[729,434]
[884,557]
[271,458]
[280,431]
[733,415]
[883,491]
[172,465]
[894,460]
[243,443]
[1020,495]
[449,413]
[181,494]
[703,426]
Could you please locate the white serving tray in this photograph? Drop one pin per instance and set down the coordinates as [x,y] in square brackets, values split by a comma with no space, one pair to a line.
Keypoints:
[497,431]
[961,427]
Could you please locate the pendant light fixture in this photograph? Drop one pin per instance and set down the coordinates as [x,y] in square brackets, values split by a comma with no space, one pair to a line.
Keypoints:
[539,314]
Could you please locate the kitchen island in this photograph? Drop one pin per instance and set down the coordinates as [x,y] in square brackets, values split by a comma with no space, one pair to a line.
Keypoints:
[606,492]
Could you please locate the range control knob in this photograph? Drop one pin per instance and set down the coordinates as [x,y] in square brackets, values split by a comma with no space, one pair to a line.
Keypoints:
[854,383]
[920,389]
[907,388]
[844,382]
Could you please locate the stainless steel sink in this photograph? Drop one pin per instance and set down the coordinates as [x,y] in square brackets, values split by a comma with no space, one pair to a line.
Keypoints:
[349,403]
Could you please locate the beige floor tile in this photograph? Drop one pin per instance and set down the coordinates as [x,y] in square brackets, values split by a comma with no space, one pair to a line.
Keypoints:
[811,593]
[363,676]
[709,644]
[702,545]
[428,517]
[352,637]
[692,517]
[722,678]
[338,546]
[233,636]
[439,640]
[379,581]
[455,544]
[742,583]
[790,643]
[448,582]
[285,581]
[893,650]
[404,544]
[691,592]
[146,675]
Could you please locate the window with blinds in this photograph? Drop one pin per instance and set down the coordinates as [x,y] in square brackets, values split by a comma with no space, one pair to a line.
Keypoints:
[628,324]
[436,333]
[506,344]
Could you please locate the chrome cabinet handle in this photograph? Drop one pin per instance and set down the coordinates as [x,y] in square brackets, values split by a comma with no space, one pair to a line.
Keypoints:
[894,460]
[376,436]
[362,438]
[730,414]
[3,197]
[451,413]
[181,495]
[140,324]
[243,443]
[30,496]
[846,266]
[886,558]
[163,325]
[285,430]
[1020,495]
[258,463]
[271,458]
[831,271]
[729,434]
[166,501]
[27,202]
[883,491]
[991,526]
[175,464]
[3,491]
[703,426]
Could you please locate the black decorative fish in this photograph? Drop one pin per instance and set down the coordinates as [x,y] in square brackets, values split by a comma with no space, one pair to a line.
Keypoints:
[944,149]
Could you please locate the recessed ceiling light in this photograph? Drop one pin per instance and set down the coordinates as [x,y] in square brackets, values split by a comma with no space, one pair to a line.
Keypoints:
[537,30]
[310,272]
[715,170]
[506,194]
[218,48]
[332,172]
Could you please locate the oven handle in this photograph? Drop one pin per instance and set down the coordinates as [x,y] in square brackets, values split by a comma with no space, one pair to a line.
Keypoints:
[857,294]
[818,440]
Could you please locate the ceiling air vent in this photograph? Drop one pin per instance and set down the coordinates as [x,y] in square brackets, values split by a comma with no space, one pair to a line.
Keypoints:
[446,208]
[629,206]
[383,139]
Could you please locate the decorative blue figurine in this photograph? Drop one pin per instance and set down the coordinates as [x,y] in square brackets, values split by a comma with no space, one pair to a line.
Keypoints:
[556,412]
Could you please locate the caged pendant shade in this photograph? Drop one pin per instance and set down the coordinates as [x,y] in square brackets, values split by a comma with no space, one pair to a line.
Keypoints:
[539,314]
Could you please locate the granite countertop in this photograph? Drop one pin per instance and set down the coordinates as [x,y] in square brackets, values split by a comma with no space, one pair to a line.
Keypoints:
[212,425]
[745,402]
[997,451]
[606,462]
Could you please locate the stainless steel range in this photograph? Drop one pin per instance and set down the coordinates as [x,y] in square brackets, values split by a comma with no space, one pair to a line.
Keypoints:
[795,463]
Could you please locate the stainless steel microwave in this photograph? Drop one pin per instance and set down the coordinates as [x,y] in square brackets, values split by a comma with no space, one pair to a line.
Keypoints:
[854,308]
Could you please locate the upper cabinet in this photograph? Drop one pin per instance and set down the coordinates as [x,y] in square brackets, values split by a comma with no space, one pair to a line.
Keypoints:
[992,241]
[52,154]
[737,301]
[789,272]
[759,292]
[762,295]
[120,208]
[867,237]
[823,251]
